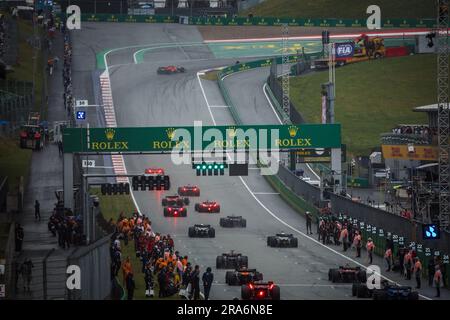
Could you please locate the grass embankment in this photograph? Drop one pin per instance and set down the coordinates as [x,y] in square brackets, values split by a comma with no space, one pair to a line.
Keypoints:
[343,9]
[111,206]
[15,162]
[371,97]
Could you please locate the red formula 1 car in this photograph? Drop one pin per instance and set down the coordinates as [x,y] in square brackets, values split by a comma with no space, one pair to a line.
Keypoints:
[260,291]
[170,70]
[189,191]
[175,211]
[174,200]
[154,172]
[208,206]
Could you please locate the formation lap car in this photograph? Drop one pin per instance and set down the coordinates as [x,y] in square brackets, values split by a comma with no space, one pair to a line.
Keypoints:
[201,230]
[231,260]
[360,289]
[174,200]
[282,240]
[394,292]
[208,206]
[347,274]
[232,222]
[242,276]
[175,211]
[189,191]
[170,70]
[260,291]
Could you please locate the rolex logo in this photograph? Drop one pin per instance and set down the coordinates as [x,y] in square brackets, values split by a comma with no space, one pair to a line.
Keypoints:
[293,131]
[170,133]
[110,133]
[231,131]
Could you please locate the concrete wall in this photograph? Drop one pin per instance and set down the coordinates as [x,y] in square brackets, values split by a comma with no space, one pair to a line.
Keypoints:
[94,262]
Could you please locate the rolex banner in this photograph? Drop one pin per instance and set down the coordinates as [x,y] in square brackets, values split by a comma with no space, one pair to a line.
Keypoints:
[198,138]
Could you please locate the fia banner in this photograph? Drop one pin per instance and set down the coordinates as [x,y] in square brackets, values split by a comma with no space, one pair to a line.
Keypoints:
[344,49]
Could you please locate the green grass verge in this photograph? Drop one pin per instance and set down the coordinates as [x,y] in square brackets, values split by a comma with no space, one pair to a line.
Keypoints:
[111,206]
[14,162]
[343,9]
[371,97]
[24,70]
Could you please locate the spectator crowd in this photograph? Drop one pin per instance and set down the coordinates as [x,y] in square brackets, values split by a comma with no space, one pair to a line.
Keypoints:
[159,260]
[421,130]
[67,72]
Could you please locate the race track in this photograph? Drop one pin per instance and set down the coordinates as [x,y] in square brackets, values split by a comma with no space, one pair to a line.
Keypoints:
[143,98]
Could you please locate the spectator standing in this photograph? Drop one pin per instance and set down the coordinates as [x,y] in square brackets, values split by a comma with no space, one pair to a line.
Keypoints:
[37,210]
[19,237]
[357,242]
[308,222]
[370,246]
[207,278]
[431,271]
[130,285]
[437,281]
[417,272]
[195,280]
[27,267]
[388,258]
[126,268]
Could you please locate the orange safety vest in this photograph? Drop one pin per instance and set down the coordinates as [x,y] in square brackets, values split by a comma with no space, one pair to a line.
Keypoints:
[388,253]
[417,266]
[437,276]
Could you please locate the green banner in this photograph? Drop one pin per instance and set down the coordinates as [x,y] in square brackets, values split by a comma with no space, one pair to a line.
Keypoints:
[165,139]
[357,182]
[259,21]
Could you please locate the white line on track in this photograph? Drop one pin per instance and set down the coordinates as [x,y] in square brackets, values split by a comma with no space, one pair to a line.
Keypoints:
[265,193]
[219,106]
[279,219]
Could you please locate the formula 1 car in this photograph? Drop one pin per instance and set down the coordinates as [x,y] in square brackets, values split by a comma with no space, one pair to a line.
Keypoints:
[360,289]
[347,274]
[189,191]
[170,70]
[242,276]
[201,230]
[394,292]
[231,260]
[260,291]
[175,211]
[174,200]
[232,222]
[154,172]
[208,206]
[151,182]
[282,240]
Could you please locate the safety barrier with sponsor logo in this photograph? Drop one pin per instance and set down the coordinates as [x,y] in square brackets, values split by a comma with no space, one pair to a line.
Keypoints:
[258,21]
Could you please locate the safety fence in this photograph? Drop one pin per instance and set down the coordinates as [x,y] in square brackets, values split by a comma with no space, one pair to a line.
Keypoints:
[96,284]
[256,21]
[383,227]
[16,100]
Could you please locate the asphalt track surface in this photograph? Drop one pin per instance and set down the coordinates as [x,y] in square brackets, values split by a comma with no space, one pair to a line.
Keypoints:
[143,98]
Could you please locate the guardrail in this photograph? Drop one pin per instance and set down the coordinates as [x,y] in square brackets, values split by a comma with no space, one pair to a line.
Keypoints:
[258,21]
[285,183]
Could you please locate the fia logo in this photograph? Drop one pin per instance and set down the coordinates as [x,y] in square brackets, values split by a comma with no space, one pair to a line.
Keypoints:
[344,50]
